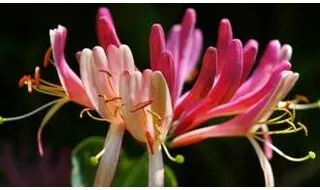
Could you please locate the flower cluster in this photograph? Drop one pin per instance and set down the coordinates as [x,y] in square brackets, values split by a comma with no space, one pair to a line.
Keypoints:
[151,104]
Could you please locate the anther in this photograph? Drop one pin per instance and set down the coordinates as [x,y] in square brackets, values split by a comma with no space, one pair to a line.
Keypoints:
[105,71]
[141,105]
[112,99]
[301,98]
[46,58]
[37,77]
[23,80]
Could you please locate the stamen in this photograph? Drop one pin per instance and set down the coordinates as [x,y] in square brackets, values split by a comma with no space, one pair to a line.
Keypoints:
[291,129]
[157,125]
[46,58]
[311,154]
[87,111]
[95,159]
[2,120]
[278,119]
[141,105]
[178,158]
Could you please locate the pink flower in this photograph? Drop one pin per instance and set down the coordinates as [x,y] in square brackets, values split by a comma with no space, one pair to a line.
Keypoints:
[147,112]
[177,58]
[225,87]
[71,89]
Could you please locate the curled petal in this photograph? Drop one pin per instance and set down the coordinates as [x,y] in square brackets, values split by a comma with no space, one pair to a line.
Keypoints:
[157,46]
[87,72]
[106,31]
[69,80]
[161,100]
[224,88]
[250,51]
[203,83]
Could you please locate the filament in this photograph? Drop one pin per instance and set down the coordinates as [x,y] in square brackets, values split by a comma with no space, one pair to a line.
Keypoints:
[310,155]
[87,111]
[28,114]
[178,158]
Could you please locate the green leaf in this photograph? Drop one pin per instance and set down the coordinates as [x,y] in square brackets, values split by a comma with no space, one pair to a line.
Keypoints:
[131,171]
[83,170]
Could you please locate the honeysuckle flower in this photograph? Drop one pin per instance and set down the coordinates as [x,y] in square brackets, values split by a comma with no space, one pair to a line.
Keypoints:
[101,74]
[177,57]
[71,88]
[225,88]
[147,112]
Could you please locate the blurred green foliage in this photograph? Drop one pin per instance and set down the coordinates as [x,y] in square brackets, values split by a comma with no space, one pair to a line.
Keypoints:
[24,38]
[131,171]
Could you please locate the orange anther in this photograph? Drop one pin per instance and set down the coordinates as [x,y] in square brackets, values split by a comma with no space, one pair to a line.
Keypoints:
[300,98]
[46,58]
[288,102]
[112,99]
[23,80]
[141,105]
[37,76]
[105,71]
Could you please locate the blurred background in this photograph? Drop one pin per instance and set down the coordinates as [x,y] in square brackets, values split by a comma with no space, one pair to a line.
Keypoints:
[24,39]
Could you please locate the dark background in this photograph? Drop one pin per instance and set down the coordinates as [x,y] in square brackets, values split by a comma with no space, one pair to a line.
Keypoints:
[24,38]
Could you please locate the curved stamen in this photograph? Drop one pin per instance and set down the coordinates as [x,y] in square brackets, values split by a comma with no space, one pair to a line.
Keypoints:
[8,119]
[87,111]
[178,158]
[310,155]
[291,129]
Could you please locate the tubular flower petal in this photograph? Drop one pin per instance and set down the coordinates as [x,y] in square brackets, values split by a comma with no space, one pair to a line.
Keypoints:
[147,113]
[105,29]
[184,43]
[225,87]
[101,73]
